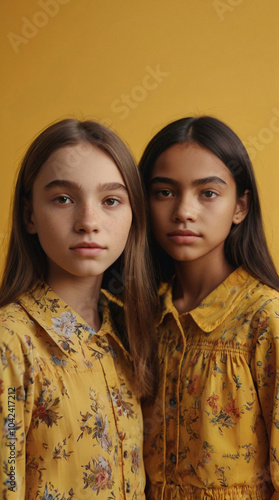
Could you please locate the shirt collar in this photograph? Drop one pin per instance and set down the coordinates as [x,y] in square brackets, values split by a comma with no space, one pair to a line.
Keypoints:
[65,327]
[217,306]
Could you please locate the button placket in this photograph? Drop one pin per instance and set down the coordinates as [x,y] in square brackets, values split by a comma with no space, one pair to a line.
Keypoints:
[172,394]
[180,349]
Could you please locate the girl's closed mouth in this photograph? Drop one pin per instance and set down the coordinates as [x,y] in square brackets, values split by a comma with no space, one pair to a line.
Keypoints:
[182,233]
[87,249]
[86,244]
[180,236]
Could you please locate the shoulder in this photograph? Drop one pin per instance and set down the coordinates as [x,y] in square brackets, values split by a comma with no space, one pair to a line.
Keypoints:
[263,302]
[12,314]
[248,293]
[16,335]
[262,296]
[15,325]
[253,296]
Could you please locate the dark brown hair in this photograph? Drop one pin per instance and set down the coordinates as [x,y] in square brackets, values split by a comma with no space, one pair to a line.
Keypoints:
[246,244]
[26,262]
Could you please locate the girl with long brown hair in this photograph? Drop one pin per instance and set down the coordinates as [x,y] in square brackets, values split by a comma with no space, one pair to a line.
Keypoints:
[70,396]
[213,431]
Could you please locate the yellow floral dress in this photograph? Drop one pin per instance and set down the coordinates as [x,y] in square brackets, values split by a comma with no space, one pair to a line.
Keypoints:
[213,432]
[71,424]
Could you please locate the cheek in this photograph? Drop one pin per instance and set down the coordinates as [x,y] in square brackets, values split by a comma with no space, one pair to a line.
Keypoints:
[155,212]
[158,227]
[120,229]
[220,223]
[127,221]
[223,212]
[158,223]
[46,227]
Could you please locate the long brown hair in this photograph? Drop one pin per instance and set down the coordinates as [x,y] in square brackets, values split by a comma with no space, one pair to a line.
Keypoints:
[26,262]
[246,244]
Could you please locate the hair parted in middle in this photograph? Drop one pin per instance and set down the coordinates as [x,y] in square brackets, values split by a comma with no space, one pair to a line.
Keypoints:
[26,262]
[246,244]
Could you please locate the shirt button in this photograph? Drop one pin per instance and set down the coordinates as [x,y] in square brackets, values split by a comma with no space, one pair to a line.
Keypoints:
[173,403]
[173,458]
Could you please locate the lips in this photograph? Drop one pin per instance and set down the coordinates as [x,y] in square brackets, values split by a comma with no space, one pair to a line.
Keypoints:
[87,249]
[183,237]
[85,244]
[183,233]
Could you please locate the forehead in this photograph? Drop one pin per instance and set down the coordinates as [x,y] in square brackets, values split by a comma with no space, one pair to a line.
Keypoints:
[189,160]
[78,161]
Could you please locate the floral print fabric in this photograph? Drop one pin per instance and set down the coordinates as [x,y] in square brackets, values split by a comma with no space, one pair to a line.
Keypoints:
[71,424]
[213,432]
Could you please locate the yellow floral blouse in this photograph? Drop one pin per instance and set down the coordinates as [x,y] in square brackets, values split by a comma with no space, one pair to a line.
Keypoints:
[71,425]
[213,432]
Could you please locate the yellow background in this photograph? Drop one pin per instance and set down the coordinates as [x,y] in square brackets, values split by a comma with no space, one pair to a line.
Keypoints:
[136,66]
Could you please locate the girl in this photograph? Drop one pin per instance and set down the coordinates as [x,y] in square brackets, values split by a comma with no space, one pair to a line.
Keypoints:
[214,429]
[70,414]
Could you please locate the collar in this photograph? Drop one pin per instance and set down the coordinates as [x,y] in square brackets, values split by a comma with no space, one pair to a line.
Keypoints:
[217,306]
[64,325]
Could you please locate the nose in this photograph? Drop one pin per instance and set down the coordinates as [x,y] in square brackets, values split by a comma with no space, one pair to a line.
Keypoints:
[87,220]
[185,209]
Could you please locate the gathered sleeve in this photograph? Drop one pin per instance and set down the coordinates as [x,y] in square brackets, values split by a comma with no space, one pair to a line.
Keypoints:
[265,368]
[16,401]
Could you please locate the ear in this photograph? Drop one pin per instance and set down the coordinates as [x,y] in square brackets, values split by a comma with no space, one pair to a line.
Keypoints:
[242,207]
[28,219]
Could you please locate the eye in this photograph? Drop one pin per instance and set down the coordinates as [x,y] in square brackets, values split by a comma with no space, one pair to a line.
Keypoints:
[163,193]
[112,202]
[209,194]
[63,200]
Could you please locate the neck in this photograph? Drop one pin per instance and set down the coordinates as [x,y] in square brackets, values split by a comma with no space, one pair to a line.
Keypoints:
[196,279]
[81,294]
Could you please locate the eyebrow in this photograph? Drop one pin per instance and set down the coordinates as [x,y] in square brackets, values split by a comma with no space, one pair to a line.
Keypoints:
[107,186]
[111,186]
[197,182]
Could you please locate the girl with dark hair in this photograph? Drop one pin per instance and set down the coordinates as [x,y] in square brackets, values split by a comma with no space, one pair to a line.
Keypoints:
[213,431]
[70,398]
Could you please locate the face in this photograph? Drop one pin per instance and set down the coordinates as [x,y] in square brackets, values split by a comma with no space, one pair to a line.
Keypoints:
[193,203]
[80,211]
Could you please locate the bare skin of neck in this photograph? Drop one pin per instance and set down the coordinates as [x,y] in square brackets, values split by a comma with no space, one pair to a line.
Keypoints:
[196,279]
[81,294]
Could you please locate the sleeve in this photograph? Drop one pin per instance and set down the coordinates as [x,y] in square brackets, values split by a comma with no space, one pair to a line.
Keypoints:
[265,366]
[15,393]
